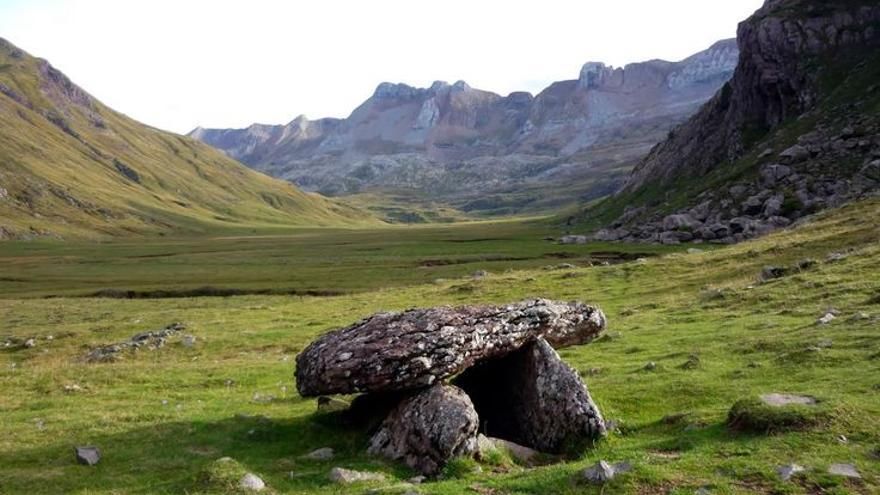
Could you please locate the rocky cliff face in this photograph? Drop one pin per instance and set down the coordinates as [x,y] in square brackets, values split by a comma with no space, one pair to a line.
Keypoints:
[775,80]
[456,141]
[794,131]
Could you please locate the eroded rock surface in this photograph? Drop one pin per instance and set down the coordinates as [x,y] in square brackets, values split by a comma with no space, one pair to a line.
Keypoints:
[416,348]
[533,398]
[429,429]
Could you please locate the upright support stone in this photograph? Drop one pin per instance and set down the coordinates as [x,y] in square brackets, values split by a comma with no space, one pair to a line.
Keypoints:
[429,429]
[532,397]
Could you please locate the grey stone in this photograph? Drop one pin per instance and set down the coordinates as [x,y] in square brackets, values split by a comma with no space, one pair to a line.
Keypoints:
[188,340]
[781,400]
[88,456]
[252,482]
[429,429]
[680,221]
[347,476]
[786,472]
[603,472]
[774,173]
[845,470]
[795,154]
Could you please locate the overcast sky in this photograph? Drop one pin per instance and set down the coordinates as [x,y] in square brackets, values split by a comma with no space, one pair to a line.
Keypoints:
[176,64]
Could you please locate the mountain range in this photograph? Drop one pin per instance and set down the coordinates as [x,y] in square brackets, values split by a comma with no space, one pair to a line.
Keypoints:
[71,166]
[795,131]
[483,152]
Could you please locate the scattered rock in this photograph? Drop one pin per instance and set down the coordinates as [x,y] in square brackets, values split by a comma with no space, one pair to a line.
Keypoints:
[148,340]
[603,472]
[779,400]
[692,363]
[188,340]
[417,480]
[826,318]
[519,453]
[651,366]
[795,154]
[480,274]
[413,349]
[573,239]
[806,264]
[72,388]
[322,454]
[252,482]
[786,472]
[835,257]
[88,456]
[846,470]
[30,343]
[773,272]
[429,429]
[347,476]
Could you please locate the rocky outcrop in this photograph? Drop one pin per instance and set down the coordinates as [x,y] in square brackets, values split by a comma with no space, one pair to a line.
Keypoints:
[532,397]
[456,142]
[797,59]
[428,429]
[773,82]
[416,348]
[514,385]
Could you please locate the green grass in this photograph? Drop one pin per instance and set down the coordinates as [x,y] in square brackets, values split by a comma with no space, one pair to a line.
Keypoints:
[163,417]
[299,261]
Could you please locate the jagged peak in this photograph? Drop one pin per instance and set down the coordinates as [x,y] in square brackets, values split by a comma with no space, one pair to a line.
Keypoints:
[395,90]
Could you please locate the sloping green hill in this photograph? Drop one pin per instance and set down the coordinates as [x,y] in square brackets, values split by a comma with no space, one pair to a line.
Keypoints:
[71,166]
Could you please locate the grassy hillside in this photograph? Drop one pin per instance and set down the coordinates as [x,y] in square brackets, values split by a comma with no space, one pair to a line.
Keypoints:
[70,166]
[716,334]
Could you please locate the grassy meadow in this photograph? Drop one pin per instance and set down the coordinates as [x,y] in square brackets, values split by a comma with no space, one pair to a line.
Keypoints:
[715,333]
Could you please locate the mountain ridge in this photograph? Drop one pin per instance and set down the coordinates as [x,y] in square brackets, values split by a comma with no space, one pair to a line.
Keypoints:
[456,142]
[71,166]
[793,132]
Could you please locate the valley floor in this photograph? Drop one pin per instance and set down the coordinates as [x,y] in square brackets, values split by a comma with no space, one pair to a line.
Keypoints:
[161,416]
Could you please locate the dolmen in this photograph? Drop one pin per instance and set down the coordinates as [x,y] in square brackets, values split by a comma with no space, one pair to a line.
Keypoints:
[443,376]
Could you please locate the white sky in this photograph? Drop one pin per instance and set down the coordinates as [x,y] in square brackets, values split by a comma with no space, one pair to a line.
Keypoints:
[176,64]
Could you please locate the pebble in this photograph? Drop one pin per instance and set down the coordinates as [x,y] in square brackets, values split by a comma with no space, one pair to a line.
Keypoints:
[786,472]
[88,456]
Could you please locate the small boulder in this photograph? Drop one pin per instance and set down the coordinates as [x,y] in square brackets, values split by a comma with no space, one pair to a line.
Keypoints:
[87,456]
[786,472]
[251,482]
[773,272]
[845,470]
[826,318]
[347,476]
[603,472]
[795,154]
